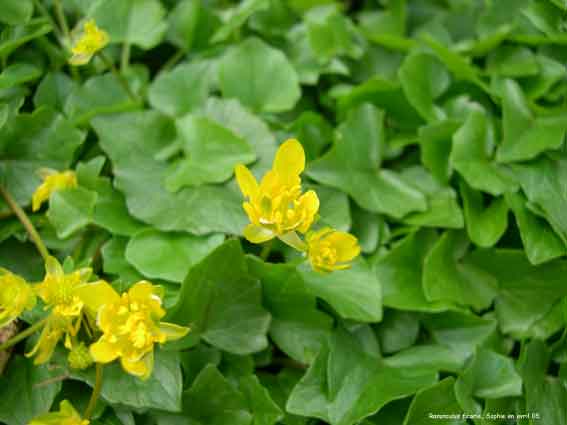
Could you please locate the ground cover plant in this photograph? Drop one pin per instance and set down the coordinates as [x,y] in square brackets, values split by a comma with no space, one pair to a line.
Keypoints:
[291,212]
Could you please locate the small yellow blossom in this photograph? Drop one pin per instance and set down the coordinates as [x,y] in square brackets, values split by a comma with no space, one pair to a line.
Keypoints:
[16,295]
[52,182]
[131,326]
[330,250]
[276,207]
[67,415]
[91,40]
[65,296]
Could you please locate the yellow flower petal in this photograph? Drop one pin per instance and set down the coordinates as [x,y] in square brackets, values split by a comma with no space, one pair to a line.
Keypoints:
[309,203]
[103,352]
[345,244]
[173,331]
[246,181]
[290,161]
[53,181]
[90,42]
[96,294]
[141,368]
[257,234]
[67,415]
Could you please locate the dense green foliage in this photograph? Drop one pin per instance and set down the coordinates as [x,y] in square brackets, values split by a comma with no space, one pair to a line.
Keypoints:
[434,131]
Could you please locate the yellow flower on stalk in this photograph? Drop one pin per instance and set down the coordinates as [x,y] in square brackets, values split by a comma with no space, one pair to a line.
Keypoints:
[65,296]
[16,295]
[131,326]
[91,40]
[329,250]
[67,415]
[276,207]
[52,182]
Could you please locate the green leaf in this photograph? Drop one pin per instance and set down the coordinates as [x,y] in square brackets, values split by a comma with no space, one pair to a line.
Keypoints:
[355,293]
[18,73]
[485,226]
[259,76]
[133,141]
[470,156]
[361,139]
[330,33]
[227,406]
[435,356]
[21,400]
[44,139]
[397,331]
[526,136]
[138,22]
[264,409]
[540,241]
[424,79]
[99,95]
[182,89]
[442,209]
[221,302]
[168,256]
[449,277]
[462,332]
[238,18]
[13,37]
[438,399]
[512,61]
[71,210]
[543,181]
[297,327]
[527,293]
[436,141]
[211,153]
[344,384]
[15,12]
[162,390]
[54,90]
[191,24]
[400,273]
[114,261]
[489,375]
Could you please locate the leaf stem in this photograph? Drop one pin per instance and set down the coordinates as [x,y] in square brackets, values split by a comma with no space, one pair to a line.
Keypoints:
[172,61]
[125,56]
[266,249]
[121,79]
[60,14]
[96,392]
[24,219]
[22,335]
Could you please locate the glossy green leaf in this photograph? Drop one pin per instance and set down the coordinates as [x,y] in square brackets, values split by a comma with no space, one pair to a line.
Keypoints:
[168,256]
[211,153]
[16,12]
[18,73]
[221,303]
[71,210]
[259,76]
[362,139]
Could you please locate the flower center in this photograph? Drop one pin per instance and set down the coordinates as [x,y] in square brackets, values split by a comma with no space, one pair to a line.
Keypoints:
[138,331]
[328,255]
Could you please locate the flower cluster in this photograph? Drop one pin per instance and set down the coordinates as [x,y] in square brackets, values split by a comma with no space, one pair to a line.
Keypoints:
[88,42]
[277,208]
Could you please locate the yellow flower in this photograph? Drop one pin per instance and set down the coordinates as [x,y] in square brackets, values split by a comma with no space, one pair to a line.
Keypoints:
[330,250]
[67,415]
[131,326]
[276,207]
[91,40]
[52,182]
[65,296]
[16,295]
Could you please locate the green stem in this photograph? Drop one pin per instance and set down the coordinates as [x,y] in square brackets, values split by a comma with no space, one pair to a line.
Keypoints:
[125,57]
[266,249]
[22,335]
[176,57]
[123,82]
[22,216]
[96,392]
[46,13]
[60,13]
